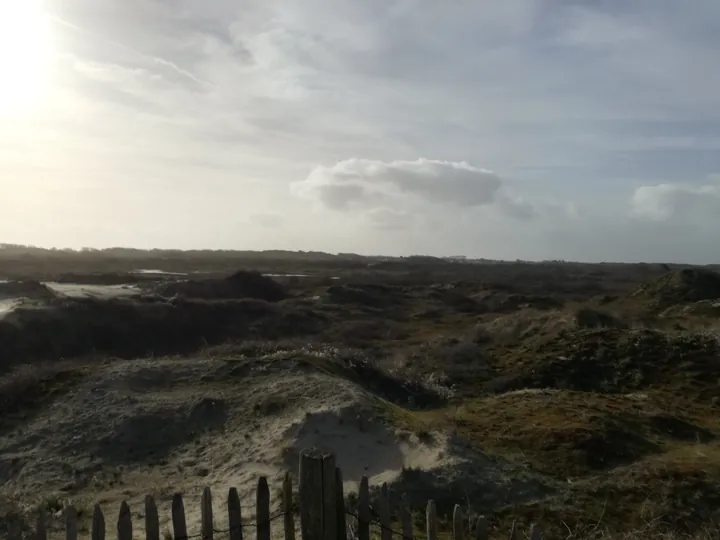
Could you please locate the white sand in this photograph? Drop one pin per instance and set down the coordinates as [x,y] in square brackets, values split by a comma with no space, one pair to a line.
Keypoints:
[161,426]
[155,271]
[362,447]
[76,290]
[6,306]
[73,290]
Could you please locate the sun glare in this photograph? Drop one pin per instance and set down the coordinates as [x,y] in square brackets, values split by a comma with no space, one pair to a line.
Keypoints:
[24,55]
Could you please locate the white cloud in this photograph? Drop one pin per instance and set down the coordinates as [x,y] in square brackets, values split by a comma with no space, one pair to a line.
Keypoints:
[363,182]
[664,202]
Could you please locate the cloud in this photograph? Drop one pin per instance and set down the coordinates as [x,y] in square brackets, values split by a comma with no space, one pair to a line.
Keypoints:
[388,219]
[269,220]
[665,202]
[154,59]
[368,183]
[516,207]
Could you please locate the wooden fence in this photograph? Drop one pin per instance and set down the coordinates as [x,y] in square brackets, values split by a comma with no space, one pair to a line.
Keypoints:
[322,511]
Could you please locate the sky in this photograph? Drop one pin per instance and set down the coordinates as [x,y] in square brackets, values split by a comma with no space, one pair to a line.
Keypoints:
[522,129]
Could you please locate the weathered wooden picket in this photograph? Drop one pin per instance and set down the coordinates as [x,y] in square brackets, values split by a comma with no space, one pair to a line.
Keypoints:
[322,510]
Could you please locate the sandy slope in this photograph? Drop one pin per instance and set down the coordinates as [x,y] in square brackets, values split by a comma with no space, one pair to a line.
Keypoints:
[70,290]
[162,426]
[6,306]
[78,290]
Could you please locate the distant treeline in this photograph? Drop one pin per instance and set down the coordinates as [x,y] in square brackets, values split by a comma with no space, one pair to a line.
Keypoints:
[10,251]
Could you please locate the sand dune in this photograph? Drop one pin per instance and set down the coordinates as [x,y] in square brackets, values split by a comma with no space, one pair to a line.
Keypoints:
[77,290]
[7,306]
[42,292]
[162,426]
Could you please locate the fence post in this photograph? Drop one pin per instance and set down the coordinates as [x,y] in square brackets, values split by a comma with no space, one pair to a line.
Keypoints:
[71,526]
[178,517]
[262,509]
[481,529]
[364,516]
[40,531]
[98,524]
[407,521]
[152,520]
[431,521]
[234,515]
[384,511]
[318,495]
[206,515]
[458,523]
[340,509]
[124,524]
[288,508]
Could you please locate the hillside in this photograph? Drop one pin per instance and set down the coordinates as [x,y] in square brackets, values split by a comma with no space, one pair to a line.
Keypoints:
[680,287]
[551,405]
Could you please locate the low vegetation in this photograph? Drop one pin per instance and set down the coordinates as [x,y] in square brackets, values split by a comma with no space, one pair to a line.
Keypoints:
[595,386]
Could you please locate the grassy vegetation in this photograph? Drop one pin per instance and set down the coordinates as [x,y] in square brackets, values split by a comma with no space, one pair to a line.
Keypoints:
[599,380]
[26,391]
[570,434]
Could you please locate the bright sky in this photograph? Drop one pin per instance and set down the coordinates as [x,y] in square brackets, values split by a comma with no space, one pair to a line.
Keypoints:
[534,129]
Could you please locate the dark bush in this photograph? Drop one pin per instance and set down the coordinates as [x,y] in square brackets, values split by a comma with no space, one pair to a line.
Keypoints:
[241,284]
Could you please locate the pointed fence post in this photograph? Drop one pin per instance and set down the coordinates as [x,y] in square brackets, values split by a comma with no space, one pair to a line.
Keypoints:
[206,515]
[152,520]
[124,524]
[178,518]
[98,524]
[234,515]
[262,512]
